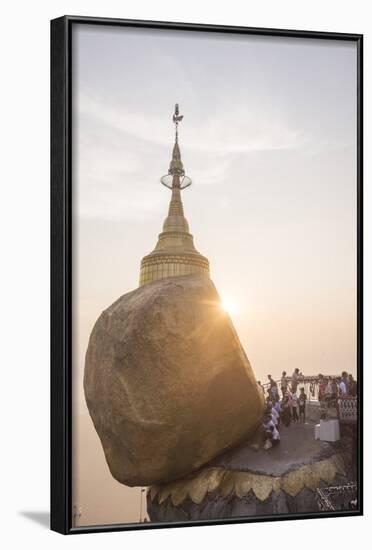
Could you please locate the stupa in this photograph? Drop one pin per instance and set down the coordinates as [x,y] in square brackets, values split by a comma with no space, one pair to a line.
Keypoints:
[167,382]
[174,253]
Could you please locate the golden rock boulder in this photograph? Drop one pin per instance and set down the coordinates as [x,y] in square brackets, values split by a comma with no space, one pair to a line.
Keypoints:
[167,382]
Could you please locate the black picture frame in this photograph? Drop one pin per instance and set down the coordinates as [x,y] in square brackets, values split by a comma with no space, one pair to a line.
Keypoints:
[61,264]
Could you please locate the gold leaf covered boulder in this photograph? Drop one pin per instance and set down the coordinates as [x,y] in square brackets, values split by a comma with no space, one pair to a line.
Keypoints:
[167,382]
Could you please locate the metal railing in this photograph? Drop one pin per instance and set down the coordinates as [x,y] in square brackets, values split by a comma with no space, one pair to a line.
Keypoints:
[340,497]
[309,383]
[348,409]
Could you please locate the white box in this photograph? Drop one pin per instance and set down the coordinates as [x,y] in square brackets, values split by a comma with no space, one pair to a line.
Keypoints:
[317,431]
[329,430]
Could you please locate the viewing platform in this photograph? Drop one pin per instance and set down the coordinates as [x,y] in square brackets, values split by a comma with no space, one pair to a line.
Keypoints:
[249,480]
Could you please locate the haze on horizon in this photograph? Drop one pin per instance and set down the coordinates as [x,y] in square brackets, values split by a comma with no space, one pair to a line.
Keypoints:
[269,140]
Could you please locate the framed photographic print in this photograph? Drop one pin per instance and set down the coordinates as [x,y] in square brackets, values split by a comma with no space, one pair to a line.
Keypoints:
[206,260]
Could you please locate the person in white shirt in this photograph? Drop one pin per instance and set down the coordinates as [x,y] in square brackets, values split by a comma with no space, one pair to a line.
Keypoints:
[278,408]
[284,382]
[270,433]
[275,437]
[294,380]
[342,388]
[275,416]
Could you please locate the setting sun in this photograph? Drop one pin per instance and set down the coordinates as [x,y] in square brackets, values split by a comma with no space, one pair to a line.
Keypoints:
[229,306]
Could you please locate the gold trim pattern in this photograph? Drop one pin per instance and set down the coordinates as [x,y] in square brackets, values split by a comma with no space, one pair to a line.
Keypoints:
[240,483]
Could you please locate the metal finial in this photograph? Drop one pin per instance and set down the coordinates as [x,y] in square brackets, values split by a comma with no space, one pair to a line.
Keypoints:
[176,173]
[177,117]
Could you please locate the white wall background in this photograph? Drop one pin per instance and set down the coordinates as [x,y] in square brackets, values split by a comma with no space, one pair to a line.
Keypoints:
[24,219]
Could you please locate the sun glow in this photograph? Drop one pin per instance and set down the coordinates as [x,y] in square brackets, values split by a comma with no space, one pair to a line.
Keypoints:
[229,305]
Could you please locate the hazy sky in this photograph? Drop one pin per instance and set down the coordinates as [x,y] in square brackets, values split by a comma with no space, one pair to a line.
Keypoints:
[269,139]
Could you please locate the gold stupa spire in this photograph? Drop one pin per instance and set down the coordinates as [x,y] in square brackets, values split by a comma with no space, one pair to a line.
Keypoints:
[174,254]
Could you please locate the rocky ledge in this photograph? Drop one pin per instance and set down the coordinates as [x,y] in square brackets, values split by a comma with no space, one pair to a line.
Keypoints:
[250,482]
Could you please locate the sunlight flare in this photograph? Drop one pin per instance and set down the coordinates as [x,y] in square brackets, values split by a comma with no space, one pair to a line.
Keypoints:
[229,305]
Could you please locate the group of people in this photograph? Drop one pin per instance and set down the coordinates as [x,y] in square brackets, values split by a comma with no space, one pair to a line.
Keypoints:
[283,409]
[285,405]
[330,389]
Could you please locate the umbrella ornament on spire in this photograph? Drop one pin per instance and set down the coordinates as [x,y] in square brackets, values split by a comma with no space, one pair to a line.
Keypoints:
[176,174]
